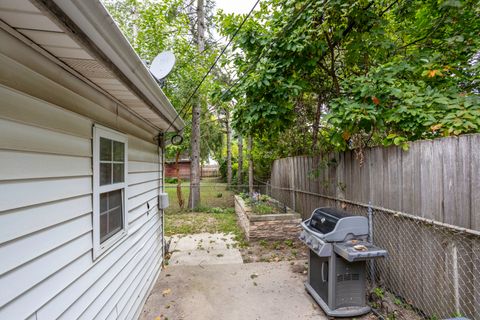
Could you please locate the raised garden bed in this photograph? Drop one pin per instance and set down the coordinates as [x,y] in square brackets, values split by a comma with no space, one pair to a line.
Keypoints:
[278,225]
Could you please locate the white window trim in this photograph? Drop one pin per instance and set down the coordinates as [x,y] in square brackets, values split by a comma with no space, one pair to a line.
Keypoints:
[99,132]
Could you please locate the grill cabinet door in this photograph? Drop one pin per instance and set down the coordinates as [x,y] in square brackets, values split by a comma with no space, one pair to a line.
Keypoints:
[318,274]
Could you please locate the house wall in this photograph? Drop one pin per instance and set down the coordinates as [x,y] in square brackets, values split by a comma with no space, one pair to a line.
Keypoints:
[184,170]
[46,265]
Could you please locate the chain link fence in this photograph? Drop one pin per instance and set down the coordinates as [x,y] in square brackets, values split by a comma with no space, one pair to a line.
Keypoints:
[433,269]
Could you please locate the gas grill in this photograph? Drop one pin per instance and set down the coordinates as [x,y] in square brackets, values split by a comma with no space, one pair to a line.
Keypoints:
[339,249]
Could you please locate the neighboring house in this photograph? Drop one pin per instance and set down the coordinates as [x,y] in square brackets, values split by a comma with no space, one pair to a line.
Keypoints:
[80,164]
[183,167]
[207,170]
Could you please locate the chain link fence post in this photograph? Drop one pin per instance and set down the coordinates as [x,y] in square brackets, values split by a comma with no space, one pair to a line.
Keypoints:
[370,239]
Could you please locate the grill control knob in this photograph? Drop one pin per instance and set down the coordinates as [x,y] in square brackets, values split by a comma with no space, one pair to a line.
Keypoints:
[309,241]
[302,236]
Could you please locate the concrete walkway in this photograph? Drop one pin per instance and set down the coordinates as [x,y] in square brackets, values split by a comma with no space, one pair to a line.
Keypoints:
[206,280]
[203,249]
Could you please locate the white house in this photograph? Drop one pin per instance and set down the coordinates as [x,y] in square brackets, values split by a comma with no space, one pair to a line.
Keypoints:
[80,164]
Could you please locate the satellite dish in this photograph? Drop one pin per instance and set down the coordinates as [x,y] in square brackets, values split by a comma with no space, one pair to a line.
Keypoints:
[162,65]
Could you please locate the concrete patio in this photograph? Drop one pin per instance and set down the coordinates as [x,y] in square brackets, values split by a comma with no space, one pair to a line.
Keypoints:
[206,279]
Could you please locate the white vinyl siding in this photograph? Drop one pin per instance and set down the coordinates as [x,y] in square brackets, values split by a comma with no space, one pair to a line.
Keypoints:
[46,214]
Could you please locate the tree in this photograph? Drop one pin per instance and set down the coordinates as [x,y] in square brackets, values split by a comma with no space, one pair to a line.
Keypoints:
[194,196]
[229,148]
[250,164]
[155,26]
[352,74]
[240,161]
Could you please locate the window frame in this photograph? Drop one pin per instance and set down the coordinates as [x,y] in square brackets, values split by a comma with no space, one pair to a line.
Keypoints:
[104,132]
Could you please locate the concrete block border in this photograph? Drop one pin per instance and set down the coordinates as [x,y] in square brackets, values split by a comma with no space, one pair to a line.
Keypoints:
[267,226]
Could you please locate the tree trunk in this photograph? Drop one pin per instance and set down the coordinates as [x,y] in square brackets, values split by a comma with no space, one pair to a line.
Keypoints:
[201,25]
[194,197]
[250,165]
[316,124]
[240,162]
[229,150]
[181,202]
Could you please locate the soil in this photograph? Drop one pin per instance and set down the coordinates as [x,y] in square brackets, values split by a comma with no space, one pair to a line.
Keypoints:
[274,251]
[390,307]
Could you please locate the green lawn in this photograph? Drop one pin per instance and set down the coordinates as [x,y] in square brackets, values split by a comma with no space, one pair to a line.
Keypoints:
[216,214]
[212,195]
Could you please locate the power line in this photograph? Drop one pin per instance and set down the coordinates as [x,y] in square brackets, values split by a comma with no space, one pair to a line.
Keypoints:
[254,64]
[344,34]
[213,65]
[260,56]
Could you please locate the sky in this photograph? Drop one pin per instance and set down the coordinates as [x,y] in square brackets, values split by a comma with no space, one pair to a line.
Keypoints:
[235,6]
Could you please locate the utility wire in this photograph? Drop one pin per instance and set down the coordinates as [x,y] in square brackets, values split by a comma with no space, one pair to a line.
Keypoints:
[213,65]
[344,34]
[260,56]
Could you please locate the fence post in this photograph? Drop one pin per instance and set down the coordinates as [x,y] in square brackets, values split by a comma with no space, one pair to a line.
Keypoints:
[456,283]
[292,183]
[370,238]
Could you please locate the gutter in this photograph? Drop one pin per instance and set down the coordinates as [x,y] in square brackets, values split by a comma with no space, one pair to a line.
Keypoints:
[92,26]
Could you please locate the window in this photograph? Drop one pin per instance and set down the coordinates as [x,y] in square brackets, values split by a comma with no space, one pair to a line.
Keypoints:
[109,188]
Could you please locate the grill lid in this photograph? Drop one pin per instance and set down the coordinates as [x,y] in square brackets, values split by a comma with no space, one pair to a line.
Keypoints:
[324,220]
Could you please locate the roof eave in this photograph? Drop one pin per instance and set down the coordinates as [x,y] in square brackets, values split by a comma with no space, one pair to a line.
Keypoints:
[92,25]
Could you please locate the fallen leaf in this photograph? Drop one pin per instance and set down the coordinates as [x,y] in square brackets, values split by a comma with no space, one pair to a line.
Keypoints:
[166,292]
[433,73]
[375,100]
[253,276]
[346,135]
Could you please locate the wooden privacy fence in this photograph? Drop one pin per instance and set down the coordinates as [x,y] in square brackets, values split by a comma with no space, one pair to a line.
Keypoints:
[426,204]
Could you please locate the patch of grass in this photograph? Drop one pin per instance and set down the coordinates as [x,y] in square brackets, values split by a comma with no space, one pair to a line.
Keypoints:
[276,245]
[379,293]
[215,215]
[263,208]
[212,195]
[289,243]
[198,222]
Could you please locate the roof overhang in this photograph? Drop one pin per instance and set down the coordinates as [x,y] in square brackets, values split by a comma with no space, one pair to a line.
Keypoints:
[83,36]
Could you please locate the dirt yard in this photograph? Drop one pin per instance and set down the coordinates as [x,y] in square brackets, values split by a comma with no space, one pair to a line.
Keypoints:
[274,251]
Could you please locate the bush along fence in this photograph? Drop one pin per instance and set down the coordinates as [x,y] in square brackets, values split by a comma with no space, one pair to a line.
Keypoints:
[425,205]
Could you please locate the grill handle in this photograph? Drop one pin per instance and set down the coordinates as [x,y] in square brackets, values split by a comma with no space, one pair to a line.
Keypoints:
[323,271]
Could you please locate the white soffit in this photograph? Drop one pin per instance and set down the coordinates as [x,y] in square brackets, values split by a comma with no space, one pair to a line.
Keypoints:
[28,20]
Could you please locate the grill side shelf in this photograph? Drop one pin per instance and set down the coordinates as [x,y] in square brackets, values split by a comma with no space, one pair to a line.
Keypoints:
[350,254]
